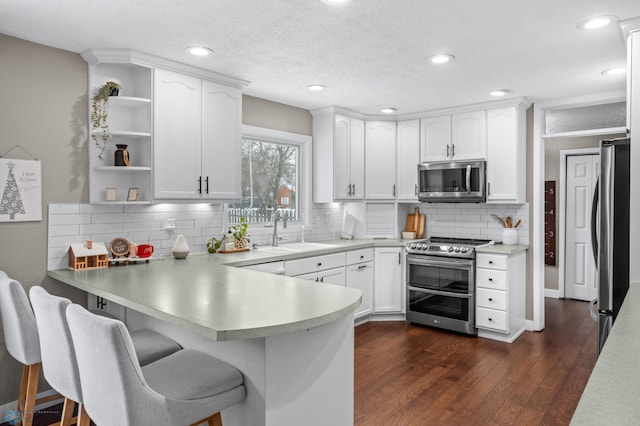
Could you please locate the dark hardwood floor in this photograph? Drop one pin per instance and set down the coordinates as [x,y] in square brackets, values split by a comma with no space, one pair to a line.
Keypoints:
[412,375]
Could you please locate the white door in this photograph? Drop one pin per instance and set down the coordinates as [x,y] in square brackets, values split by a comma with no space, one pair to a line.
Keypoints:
[408,143]
[580,270]
[436,138]
[469,135]
[177,135]
[341,181]
[221,140]
[361,276]
[388,286]
[335,276]
[380,160]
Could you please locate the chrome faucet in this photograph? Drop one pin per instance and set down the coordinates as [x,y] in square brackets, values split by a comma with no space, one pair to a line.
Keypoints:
[278,214]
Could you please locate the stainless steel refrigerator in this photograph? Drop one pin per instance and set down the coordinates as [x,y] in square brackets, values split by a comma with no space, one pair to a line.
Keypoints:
[610,232]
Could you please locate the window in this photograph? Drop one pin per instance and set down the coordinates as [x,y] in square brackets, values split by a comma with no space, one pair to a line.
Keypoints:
[271,176]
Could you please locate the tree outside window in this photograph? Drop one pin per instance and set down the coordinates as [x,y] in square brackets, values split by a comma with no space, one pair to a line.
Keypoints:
[269,181]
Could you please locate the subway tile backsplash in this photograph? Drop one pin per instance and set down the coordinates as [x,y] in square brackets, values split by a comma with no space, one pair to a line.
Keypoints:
[473,220]
[75,223]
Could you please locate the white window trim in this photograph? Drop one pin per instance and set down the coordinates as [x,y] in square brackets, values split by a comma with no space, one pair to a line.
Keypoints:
[304,144]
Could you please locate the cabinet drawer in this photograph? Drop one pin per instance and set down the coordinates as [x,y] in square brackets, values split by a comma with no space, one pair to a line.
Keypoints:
[492,319]
[494,299]
[490,278]
[357,256]
[314,264]
[493,261]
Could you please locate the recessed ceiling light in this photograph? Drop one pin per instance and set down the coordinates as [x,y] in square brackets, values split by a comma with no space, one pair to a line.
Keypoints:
[199,50]
[389,110]
[595,23]
[316,87]
[498,93]
[614,71]
[441,59]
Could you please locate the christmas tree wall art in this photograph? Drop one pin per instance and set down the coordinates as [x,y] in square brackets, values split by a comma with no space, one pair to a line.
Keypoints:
[20,190]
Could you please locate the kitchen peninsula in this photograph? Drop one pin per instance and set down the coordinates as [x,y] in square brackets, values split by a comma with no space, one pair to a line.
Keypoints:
[292,339]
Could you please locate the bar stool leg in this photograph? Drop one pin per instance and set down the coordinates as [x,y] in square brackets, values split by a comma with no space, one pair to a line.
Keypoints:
[67,412]
[215,420]
[30,394]
[83,417]
[23,388]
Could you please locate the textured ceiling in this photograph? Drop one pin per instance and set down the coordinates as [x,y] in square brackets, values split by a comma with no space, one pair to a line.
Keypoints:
[369,53]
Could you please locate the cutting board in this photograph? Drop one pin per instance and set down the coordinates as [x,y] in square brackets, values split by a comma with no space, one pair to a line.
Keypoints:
[420,229]
[413,220]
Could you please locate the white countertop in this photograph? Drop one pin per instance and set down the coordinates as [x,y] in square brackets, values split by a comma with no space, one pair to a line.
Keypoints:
[501,248]
[205,294]
[611,395]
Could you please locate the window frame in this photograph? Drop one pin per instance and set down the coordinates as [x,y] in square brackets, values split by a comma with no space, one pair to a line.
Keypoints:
[303,142]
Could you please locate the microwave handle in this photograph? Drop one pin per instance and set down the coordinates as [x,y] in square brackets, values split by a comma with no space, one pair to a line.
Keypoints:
[468,178]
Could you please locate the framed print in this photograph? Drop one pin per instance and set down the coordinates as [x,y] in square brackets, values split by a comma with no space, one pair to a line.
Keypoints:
[111,194]
[20,190]
[133,194]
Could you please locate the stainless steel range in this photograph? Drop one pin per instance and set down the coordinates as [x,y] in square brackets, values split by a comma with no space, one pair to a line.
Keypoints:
[441,283]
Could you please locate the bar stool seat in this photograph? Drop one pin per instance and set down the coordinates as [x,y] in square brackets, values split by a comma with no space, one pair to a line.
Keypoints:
[185,388]
[58,355]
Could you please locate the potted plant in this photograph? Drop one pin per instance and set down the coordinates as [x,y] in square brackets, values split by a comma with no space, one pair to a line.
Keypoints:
[100,113]
[213,244]
[239,232]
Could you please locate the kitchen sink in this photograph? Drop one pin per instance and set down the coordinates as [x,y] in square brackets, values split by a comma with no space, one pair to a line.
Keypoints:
[295,247]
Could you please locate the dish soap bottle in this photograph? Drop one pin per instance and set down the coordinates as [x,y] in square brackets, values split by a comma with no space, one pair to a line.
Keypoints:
[229,246]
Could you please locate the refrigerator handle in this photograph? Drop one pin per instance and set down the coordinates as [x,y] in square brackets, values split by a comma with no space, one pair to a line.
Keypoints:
[594,222]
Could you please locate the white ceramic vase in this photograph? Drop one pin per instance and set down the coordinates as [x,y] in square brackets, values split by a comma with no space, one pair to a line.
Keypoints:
[509,236]
[180,249]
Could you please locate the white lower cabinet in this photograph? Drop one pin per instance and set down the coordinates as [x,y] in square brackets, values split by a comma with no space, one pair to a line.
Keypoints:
[388,285]
[359,273]
[500,295]
[327,269]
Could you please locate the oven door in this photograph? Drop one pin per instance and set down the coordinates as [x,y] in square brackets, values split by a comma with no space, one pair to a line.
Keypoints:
[441,309]
[441,273]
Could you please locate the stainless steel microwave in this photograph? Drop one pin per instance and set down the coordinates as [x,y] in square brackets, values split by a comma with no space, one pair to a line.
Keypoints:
[452,182]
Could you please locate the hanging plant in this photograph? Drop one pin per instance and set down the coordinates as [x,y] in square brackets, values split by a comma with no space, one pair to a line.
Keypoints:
[99,115]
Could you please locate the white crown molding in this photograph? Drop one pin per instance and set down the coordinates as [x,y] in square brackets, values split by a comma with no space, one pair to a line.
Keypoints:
[129,56]
[630,25]
[579,101]
[520,102]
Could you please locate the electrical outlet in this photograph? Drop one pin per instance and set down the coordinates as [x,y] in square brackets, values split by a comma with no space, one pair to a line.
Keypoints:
[170,225]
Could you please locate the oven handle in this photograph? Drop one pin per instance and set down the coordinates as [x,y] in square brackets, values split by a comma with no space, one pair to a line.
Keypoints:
[440,293]
[449,263]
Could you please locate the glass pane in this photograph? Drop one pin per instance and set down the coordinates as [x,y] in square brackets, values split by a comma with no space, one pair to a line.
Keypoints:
[449,180]
[439,278]
[269,181]
[586,118]
[438,305]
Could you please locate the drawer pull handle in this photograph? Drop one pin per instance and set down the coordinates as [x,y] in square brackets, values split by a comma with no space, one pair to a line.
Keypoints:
[490,279]
[490,319]
[491,299]
[491,262]
[319,263]
[362,257]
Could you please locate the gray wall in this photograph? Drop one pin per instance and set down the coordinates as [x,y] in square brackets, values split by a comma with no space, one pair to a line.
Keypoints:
[44,109]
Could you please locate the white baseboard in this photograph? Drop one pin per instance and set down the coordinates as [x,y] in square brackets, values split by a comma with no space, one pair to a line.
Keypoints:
[551,293]
[528,325]
[13,405]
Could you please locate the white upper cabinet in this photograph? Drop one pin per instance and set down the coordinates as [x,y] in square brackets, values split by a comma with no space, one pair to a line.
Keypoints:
[506,155]
[408,146]
[436,139]
[380,160]
[461,136]
[177,154]
[221,141]
[468,135]
[338,157]
[197,151]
